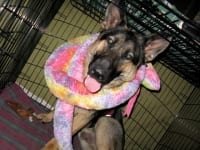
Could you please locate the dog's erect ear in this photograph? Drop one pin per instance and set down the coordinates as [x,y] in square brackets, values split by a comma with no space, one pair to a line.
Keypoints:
[113,16]
[154,45]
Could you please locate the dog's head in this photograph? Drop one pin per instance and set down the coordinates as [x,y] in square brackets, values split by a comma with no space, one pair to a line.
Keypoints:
[117,53]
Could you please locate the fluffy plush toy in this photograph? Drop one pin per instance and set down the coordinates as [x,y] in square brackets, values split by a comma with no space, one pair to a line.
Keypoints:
[64,77]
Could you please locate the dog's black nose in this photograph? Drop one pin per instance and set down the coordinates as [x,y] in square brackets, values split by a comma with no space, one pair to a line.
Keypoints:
[102,69]
[97,73]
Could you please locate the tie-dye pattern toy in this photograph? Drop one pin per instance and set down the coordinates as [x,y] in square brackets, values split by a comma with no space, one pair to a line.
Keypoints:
[64,77]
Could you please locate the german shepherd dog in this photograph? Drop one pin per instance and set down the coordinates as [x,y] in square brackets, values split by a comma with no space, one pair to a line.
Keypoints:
[113,59]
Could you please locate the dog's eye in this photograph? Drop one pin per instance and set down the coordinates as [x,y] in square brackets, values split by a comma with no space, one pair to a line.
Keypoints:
[129,56]
[111,40]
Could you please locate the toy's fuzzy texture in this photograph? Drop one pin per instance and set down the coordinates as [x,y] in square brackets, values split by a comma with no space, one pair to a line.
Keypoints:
[64,77]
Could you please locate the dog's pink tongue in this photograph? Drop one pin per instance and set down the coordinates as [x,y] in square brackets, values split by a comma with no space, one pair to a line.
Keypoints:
[91,84]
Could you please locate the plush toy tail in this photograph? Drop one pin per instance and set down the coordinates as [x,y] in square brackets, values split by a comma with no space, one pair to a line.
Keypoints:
[63,119]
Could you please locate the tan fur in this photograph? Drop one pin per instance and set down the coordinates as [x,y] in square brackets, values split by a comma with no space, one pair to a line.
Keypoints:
[128,74]
[107,134]
[51,145]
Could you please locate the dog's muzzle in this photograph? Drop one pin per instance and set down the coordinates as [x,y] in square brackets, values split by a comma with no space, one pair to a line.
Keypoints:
[103,69]
[99,74]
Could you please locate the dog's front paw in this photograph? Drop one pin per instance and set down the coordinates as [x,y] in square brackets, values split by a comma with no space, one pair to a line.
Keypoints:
[45,117]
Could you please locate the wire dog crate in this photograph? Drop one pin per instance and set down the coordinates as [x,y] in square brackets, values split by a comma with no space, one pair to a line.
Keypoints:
[168,119]
[22,25]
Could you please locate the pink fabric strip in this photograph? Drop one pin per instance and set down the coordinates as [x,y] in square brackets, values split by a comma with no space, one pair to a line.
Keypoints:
[131,103]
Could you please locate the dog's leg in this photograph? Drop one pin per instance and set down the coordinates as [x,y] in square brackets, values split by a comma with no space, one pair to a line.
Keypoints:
[87,139]
[51,145]
[81,118]
[111,131]
[45,117]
